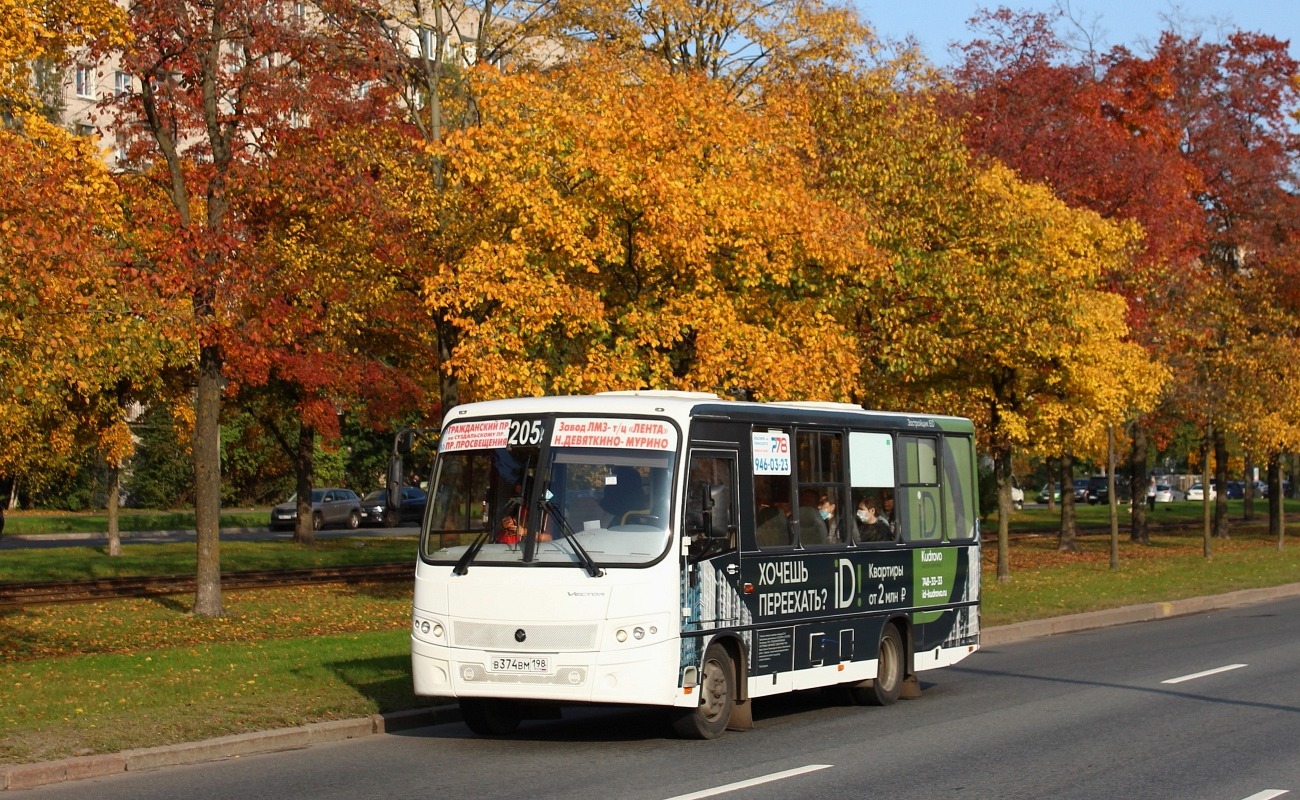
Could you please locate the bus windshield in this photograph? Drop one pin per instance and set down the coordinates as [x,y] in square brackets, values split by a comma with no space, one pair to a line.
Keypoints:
[509,507]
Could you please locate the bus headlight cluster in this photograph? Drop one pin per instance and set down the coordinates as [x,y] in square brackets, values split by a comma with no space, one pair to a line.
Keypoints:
[638,632]
[427,628]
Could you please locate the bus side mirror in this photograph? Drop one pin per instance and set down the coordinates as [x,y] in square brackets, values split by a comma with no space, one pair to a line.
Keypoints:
[405,442]
[394,484]
[714,511]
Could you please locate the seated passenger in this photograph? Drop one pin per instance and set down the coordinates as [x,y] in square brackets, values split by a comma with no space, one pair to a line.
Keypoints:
[773,527]
[828,509]
[871,527]
[812,530]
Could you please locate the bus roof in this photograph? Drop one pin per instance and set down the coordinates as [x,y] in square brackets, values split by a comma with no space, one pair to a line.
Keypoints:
[682,406]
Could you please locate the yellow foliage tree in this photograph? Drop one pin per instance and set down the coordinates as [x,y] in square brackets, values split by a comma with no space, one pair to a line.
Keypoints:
[44,34]
[74,352]
[622,226]
[990,309]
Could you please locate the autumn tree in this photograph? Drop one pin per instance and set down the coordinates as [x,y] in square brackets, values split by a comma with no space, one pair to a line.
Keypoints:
[63,241]
[621,230]
[1096,128]
[76,352]
[37,40]
[344,331]
[218,86]
[742,44]
[1234,101]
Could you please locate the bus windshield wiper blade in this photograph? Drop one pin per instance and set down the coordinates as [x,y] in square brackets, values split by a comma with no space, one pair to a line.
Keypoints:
[471,552]
[571,536]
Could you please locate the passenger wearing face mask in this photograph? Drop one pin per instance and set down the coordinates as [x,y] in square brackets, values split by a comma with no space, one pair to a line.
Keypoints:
[827,510]
[871,527]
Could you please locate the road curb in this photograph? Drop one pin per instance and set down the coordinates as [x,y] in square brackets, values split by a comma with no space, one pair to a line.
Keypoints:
[27,776]
[1052,626]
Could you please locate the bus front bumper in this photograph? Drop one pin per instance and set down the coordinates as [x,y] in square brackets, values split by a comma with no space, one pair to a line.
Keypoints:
[644,675]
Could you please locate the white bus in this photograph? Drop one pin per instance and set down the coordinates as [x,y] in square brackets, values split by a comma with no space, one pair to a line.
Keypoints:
[679,550]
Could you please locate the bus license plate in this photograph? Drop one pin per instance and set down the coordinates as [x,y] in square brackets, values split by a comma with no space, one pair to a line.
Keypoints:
[532,665]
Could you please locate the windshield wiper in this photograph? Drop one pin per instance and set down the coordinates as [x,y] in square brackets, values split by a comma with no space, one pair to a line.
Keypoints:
[471,552]
[571,536]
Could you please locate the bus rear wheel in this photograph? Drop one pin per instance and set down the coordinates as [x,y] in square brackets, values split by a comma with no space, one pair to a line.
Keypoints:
[489,717]
[884,690]
[717,695]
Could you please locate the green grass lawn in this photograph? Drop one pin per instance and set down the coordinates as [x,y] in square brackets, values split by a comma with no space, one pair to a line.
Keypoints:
[31,523]
[1035,518]
[102,677]
[74,562]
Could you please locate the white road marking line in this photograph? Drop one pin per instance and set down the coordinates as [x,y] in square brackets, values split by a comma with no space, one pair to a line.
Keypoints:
[1267,794]
[1204,674]
[731,787]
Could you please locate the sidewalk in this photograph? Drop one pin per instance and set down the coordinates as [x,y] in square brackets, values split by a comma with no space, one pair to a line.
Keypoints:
[26,776]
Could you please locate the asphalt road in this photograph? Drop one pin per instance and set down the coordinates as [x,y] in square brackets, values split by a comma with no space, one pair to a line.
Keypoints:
[1086,715]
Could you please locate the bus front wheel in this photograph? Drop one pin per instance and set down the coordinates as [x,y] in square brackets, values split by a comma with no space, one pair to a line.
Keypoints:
[888,683]
[717,698]
[488,717]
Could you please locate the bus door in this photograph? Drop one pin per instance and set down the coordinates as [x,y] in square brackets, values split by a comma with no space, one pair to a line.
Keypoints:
[710,556]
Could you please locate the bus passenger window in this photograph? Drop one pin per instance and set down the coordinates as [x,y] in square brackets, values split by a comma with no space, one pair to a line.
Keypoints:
[772,511]
[812,530]
[820,517]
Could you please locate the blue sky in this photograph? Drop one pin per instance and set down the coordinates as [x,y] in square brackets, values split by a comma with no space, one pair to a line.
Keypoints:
[936,23]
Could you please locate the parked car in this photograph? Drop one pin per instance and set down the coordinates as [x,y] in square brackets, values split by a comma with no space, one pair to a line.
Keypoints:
[1080,490]
[1017,495]
[1056,494]
[1099,492]
[1236,490]
[1263,491]
[331,506]
[375,511]
[1164,493]
[1197,492]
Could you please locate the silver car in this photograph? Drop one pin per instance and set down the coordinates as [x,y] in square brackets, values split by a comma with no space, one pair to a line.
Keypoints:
[328,507]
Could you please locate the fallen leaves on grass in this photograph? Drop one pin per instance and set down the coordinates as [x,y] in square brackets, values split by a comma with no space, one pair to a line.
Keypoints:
[125,626]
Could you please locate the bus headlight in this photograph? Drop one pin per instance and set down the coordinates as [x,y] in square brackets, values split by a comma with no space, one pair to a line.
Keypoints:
[428,629]
[637,633]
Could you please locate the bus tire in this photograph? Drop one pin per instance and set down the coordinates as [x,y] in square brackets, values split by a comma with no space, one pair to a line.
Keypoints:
[888,683]
[717,695]
[490,717]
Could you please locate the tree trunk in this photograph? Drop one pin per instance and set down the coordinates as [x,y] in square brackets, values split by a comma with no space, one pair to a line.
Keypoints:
[1002,473]
[1248,492]
[304,467]
[1139,531]
[207,483]
[1066,542]
[1276,520]
[1221,479]
[114,535]
[1114,500]
[1206,525]
[1053,466]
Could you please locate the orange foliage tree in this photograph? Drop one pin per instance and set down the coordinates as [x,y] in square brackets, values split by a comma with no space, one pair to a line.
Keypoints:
[620,228]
